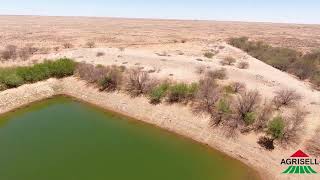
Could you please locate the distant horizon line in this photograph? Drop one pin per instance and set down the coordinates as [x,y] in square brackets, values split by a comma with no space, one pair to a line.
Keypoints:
[168,19]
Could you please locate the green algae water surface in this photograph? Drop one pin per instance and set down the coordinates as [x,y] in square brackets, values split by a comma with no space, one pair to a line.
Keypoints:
[62,139]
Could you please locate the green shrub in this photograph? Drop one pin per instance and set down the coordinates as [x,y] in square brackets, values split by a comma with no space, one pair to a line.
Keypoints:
[182,92]
[35,73]
[9,77]
[158,93]
[276,127]
[14,77]
[249,118]
[62,67]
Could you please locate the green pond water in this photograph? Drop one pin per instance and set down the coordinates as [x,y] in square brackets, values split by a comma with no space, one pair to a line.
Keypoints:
[62,139]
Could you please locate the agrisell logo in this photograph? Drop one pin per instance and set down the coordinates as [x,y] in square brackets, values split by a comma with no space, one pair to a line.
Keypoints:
[300,163]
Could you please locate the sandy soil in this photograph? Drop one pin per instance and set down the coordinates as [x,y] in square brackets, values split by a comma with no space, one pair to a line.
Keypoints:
[49,32]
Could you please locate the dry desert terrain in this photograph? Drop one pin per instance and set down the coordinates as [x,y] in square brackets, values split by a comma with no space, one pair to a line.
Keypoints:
[170,49]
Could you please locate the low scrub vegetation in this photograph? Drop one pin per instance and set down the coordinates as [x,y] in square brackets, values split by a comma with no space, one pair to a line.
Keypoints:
[208,55]
[14,77]
[243,65]
[304,66]
[313,145]
[228,61]
[182,92]
[237,111]
[159,92]
[90,44]
[286,97]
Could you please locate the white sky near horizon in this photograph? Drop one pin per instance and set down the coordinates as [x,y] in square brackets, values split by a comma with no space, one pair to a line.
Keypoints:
[284,11]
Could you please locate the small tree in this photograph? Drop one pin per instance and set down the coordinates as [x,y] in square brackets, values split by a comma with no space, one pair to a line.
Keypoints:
[294,127]
[207,96]
[286,97]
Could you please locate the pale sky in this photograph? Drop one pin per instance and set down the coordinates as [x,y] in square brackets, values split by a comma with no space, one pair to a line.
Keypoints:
[287,11]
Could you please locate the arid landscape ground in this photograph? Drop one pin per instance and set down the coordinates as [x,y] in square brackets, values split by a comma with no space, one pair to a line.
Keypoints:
[168,49]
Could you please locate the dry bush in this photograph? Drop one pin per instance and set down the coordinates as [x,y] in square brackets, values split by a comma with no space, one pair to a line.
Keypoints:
[313,145]
[208,55]
[10,52]
[31,49]
[56,48]
[243,65]
[238,87]
[112,80]
[99,54]
[91,73]
[294,125]
[200,69]
[90,44]
[138,82]
[286,97]
[266,142]
[24,54]
[67,45]
[122,49]
[246,104]
[228,61]
[222,112]
[207,96]
[264,115]
[217,74]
